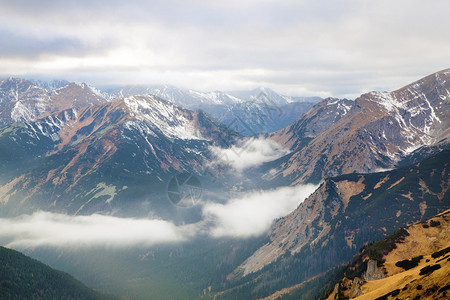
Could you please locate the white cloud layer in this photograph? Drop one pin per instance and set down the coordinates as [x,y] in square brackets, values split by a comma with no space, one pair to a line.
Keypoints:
[248,215]
[251,152]
[51,229]
[253,213]
[300,47]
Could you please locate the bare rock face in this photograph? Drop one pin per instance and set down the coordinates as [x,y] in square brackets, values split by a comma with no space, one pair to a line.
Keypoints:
[347,287]
[373,272]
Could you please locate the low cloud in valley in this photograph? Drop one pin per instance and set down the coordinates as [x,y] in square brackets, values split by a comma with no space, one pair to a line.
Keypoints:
[251,152]
[253,213]
[249,214]
[52,229]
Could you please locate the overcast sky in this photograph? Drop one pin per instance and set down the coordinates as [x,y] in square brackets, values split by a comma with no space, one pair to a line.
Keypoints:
[299,47]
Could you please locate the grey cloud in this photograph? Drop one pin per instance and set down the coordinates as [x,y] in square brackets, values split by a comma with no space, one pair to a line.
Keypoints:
[16,45]
[218,44]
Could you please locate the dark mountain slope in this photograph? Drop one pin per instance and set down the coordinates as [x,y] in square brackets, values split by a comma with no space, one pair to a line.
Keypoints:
[22,277]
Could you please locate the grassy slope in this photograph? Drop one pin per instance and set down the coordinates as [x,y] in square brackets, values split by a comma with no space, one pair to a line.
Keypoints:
[405,258]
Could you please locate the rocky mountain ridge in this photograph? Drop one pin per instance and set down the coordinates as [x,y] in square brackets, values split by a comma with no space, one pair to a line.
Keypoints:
[23,101]
[373,132]
[80,153]
[28,100]
[252,112]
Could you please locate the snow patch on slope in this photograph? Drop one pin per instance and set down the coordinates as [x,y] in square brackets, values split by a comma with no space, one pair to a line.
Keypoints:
[408,113]
[168,118]
[21,113]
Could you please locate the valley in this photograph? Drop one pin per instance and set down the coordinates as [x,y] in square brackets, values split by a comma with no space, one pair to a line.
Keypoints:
[279,193]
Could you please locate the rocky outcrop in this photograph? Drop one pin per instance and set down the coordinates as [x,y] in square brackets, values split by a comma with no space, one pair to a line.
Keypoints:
[373,272]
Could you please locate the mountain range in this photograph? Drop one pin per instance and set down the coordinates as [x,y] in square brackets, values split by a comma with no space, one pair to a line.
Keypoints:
[251,112]
[380,161]
[263,109]
[103,157]
[195,99]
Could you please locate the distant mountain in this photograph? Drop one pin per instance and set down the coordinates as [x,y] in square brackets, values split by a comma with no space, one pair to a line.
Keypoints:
[257,117]
[23,101]
[22,277]
[249,112]
[50,84]
[106,157]
[343,214]
[183,97]
[375,131]
[195,99]
[272,97]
